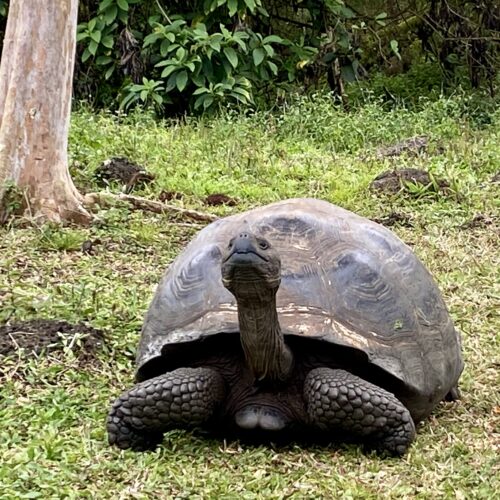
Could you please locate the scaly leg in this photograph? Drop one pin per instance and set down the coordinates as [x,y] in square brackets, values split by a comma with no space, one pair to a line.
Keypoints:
[339,400]
[185,397]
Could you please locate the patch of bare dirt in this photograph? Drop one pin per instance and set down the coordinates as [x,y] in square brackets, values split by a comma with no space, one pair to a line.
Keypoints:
[220,199]
[30,338]
[122,170]
[412,146]
[395,219]
[170,195]
[393,181]
[480,221]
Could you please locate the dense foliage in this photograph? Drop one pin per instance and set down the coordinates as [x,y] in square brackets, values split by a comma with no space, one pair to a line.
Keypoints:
[195,55]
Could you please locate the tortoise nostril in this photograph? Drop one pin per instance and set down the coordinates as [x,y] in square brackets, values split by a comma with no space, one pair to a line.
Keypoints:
[243,235]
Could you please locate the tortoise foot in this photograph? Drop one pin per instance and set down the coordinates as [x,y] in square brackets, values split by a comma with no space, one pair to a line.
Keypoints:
[186,397]
[124,436]
[338,400]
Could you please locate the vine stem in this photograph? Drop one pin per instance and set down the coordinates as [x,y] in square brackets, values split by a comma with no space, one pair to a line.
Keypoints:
[163,11]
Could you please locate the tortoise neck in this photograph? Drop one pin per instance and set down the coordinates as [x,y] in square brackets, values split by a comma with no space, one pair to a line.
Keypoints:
[263,343]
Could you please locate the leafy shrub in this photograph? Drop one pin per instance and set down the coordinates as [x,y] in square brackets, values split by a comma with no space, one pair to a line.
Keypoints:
[198,55]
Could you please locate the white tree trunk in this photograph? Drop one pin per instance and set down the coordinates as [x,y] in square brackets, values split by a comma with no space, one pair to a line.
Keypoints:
[36,73]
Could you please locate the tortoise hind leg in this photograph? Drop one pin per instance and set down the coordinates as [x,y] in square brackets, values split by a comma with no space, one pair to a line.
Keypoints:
[338,400]
[185,397]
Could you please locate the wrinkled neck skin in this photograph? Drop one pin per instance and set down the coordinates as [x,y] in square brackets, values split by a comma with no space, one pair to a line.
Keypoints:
[262,340]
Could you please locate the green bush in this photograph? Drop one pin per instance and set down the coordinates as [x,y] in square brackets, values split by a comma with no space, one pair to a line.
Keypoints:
[197,56]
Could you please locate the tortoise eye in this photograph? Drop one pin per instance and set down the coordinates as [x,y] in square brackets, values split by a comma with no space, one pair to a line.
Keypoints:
[263,244]
[230,244]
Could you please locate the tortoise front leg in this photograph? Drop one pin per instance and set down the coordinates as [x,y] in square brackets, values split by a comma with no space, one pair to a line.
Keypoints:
[338,400]
[185,397]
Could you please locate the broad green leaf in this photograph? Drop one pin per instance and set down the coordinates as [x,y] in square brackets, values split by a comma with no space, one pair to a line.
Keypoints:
[168,71]
[395,48]
[93,47]
[269,50]
[150,39]
[123,4]
[239,98]
[164,47]
[176,24]
[258,55]
[202,90]
[108,41]
[272,39]
[208,101]
[122,16]
[128,100]
[199,101]
[251,5]
[102,60]
[198,80]
[110,14]
[158,98]
[200,31]
[243,92]
[92,23]
[347,12]
[181,80]
[228,68]
[166,62]
[86,54]
[240,41]
[264,74]
[144,95]
[172,47]
[81,36]
[96,36]
[232,5]
[109,72]
[181,53]
[231,55]
[273,67]
[104,5]
[215,45]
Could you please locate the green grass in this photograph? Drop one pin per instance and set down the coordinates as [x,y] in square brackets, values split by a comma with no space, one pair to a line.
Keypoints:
[53,408]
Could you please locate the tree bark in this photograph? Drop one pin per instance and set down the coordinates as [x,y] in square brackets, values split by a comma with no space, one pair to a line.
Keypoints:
[36,73]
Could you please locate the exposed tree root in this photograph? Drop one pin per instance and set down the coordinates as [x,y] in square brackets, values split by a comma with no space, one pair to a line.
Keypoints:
[136,202]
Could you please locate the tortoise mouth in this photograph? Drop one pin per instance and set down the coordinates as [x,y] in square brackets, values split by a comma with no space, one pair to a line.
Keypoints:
[247,257]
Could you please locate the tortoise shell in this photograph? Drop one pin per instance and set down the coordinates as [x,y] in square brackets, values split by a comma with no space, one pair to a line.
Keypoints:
[346,281]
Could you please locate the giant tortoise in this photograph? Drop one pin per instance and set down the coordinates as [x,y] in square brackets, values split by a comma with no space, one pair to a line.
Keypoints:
[291,318]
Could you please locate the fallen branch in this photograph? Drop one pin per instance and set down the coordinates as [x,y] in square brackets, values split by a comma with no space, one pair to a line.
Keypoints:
[108,199]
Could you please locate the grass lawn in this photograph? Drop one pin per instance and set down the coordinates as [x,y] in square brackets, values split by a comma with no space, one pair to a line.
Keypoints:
[53,406]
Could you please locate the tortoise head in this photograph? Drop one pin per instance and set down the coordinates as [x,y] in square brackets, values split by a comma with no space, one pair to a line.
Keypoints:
[251,267]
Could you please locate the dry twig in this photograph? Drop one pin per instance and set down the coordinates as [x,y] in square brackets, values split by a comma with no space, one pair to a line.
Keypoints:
[136,202]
